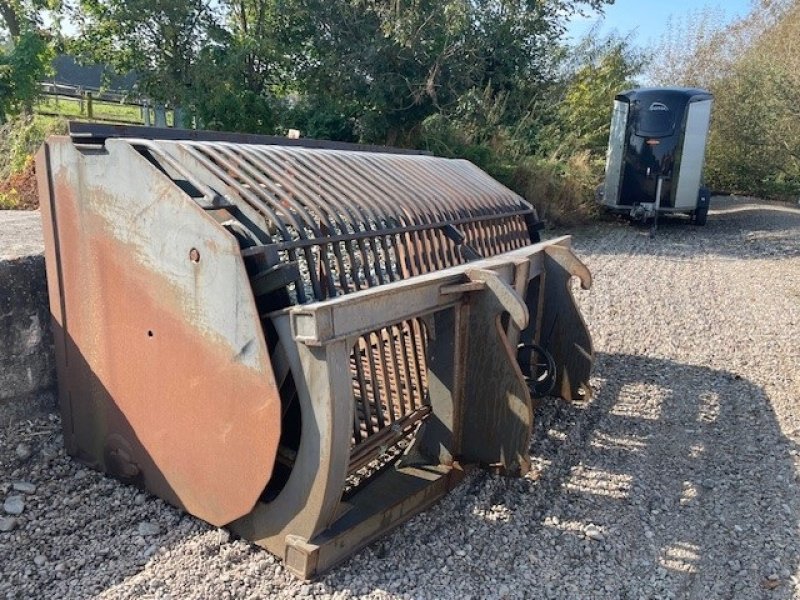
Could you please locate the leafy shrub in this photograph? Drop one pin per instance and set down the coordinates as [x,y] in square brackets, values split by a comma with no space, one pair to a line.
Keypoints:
[561,190]
[754,142]
[19,190]
[20,138]
[21,70]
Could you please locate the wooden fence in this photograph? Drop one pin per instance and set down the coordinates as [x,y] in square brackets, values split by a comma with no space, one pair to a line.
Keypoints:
[103,105]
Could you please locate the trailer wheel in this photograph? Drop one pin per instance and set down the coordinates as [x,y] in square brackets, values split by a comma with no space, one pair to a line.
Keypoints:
[701,216]
[703,202]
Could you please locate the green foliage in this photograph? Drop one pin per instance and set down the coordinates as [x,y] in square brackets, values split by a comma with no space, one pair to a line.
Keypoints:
[562,190]
[605,67]
[340,68]
[71,107]
[550,151]
[444,137]
[20,16]
[753,68]
[21,70]
[395,64]
[21,137]
[218,94]
[159,40]
[485,80]
[320,117]
[754,147]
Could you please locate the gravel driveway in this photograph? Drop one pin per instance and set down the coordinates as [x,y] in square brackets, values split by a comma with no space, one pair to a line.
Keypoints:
[680,478]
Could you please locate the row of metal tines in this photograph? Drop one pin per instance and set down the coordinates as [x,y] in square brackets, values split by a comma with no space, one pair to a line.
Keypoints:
[353,220]
[390,388]
[342,266]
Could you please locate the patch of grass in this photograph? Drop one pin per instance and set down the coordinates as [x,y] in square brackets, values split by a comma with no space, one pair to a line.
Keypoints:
[71,107]
[63,106]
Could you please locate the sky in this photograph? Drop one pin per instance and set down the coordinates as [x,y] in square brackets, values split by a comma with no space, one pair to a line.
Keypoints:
[646,19]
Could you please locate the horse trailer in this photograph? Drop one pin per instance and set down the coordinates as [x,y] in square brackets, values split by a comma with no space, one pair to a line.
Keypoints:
[656,150]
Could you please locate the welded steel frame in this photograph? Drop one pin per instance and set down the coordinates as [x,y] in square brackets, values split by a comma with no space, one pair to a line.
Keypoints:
[166,380]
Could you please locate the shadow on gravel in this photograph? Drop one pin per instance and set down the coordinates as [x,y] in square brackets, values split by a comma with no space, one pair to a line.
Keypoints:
[765,230]
[674,481]
[698,480]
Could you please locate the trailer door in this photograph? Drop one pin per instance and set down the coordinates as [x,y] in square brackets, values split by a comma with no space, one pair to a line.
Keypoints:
[615,153]
[693,154]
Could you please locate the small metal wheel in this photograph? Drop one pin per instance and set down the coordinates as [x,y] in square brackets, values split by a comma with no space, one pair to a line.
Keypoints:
[701,215]
[538,368]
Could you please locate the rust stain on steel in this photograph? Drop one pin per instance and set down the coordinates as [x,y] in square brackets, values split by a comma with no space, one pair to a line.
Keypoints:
[183,416]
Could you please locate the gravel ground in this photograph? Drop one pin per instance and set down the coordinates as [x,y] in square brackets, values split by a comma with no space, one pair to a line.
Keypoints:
[679,479]
[20,233]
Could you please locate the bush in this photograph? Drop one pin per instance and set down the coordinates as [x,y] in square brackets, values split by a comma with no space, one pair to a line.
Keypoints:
[20,138]
[18,192]
[754,142]
[561,190]
[21,70]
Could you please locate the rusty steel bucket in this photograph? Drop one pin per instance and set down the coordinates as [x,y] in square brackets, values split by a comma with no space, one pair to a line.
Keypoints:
[306,342]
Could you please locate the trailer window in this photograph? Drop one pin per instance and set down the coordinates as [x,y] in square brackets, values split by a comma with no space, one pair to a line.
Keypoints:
[655,119]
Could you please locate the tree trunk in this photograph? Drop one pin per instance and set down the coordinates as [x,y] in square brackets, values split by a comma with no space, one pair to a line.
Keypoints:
[11,19]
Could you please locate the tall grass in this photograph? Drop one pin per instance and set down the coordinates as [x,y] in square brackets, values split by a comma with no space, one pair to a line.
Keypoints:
[559,186]
[561,190]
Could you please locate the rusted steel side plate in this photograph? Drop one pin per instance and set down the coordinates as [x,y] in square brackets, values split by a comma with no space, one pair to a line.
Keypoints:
[165,379]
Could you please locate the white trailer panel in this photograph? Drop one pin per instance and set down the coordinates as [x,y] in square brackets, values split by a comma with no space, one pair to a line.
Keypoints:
[615,153]
[693,154]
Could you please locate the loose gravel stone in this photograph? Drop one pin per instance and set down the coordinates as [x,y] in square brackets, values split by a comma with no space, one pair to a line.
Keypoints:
[594,533]
[14,505]
[23,451]
[24,487]
[147,528]
[685,460]
[7,524]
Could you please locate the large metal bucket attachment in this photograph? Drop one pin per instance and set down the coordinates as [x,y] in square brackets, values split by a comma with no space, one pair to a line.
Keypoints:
[306,343]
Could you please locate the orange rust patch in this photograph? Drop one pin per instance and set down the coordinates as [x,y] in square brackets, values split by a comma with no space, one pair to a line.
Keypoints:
[158,400]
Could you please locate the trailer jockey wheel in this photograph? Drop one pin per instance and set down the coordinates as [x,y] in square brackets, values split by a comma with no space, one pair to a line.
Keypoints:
[538,368]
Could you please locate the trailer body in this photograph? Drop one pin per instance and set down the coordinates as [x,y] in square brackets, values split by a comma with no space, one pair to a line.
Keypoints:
[656,152]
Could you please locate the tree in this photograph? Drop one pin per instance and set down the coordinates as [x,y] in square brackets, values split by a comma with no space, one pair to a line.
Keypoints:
[20,16]
[26,56]
[690,51]
[222,92]
[601,68]
[249,62]
[754,146]
[354,68]
[21,70]
[394,64]
[158,39]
